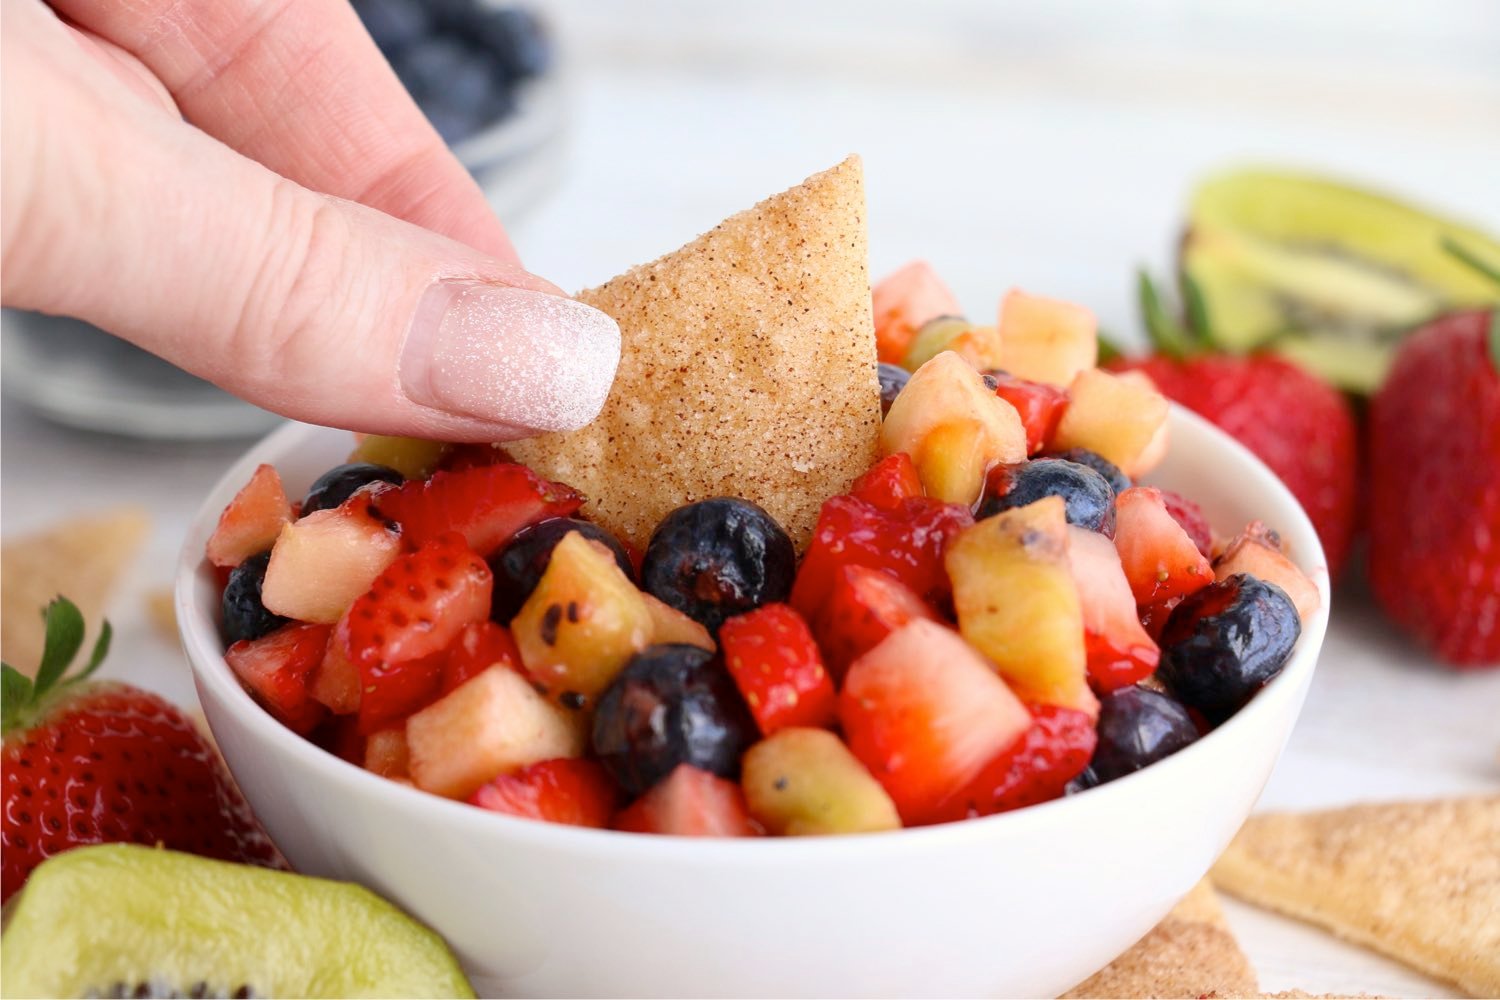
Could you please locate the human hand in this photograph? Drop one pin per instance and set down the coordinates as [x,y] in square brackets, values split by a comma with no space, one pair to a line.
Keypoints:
[303,238]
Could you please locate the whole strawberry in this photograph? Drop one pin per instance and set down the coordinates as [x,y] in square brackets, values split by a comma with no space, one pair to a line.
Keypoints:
[90,762]
[1300,426]
[1435,488]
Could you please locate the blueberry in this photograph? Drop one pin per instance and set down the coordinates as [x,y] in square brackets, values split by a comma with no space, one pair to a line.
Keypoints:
[893,379]
[1099,464]
[516,40]
[1226,640]
[394,24]
[672,704]
[718,558]
[1089,500]
[245,617]
[445,69]
[520,564]
[1137,726]
[342,481]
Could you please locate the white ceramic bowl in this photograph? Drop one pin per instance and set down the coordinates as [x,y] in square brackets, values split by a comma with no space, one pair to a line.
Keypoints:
[1023,904]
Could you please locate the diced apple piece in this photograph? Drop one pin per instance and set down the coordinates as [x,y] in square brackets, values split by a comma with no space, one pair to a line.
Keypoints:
[1120,651]
[335,681]
[494,723]
[670,625]
[1155,451]
[323,561]
[583,621]
[1253,552]
[251,522]
[1114,415]
[388,754]
[1160,559]
[805,782]
[414,458]
[902,302]
[1016,601]
[1046,340]
[971,428]
[924,713]
[978,345]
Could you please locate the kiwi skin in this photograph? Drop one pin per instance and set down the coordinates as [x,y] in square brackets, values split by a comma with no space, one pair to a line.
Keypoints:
[124,920]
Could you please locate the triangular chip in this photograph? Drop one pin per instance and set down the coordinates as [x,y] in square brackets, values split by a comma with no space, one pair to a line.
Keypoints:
[1419,881]
[747,369]
[1191,953]
[81,559]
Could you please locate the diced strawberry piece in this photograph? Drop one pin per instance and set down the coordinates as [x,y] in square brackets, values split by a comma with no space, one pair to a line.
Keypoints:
[924,713]
[1161,561]
[1188,514]
[1040,406]
[565,790]
[486,504]
[771,655]
[1120,651]
[888,482]
[251,522]
[1154,616]
[866,605]
[275,669]
[478,647]
[690,802]
[1035,768]
[473,456]
[907,542]
[340,736]
[397,631]
[902,302]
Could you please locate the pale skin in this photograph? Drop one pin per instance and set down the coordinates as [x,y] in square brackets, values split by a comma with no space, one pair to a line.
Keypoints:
[243,187]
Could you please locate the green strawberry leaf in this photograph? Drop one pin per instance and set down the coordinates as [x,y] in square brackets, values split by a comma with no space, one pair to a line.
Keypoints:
[1467,256]
[100,651]
[1167,335]
[1197,309]
[64,638]
[15,695]
[1108,349]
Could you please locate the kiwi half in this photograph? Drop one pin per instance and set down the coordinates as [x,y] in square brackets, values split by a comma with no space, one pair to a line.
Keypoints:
[1328,274]
[126,921]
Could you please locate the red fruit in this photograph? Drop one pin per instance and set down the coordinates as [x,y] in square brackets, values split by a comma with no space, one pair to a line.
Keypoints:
[1435,489]
[866,605]
[888,482]
[1190,516]
[773,659]
[461,457]
[924,713]
[1119,649]
[1297,424]
[477,648]
[277,668]
[1035,768]
[1040,406]
[251,522]
[907,542]
[486,504]
[1160,560]
[396,632]
[566,790]
[902,302]
[89,762]
[690,803]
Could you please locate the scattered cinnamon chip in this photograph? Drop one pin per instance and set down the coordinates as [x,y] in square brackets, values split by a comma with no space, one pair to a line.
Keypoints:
[82,559]
[1419,881]
[747,369]
[1191,953]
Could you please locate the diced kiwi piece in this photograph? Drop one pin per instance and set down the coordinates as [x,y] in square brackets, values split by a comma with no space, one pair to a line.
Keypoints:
[123,920]
[1330,274]
[414,458]
[802,782]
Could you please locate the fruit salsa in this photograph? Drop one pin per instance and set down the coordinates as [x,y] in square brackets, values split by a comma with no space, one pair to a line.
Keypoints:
[992,616]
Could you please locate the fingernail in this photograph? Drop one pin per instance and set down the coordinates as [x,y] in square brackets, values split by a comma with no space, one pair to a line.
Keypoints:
[509,355]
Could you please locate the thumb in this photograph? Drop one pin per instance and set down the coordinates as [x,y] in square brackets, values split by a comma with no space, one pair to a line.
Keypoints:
[317,308]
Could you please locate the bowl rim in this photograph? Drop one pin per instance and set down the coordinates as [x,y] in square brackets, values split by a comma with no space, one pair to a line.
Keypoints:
[204,650]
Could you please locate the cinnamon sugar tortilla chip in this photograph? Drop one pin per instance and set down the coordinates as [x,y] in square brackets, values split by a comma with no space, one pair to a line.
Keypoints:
[1191,953]
[81,559]
[747,369]
[1419,881]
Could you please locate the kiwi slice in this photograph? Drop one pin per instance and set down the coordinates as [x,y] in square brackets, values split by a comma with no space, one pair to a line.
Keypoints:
[1328,274]
[127,921]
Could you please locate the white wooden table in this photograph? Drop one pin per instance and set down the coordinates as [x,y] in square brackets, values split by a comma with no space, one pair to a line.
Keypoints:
[1049,147]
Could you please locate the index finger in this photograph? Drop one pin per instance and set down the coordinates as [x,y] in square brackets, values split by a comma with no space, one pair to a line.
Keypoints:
[302,88]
